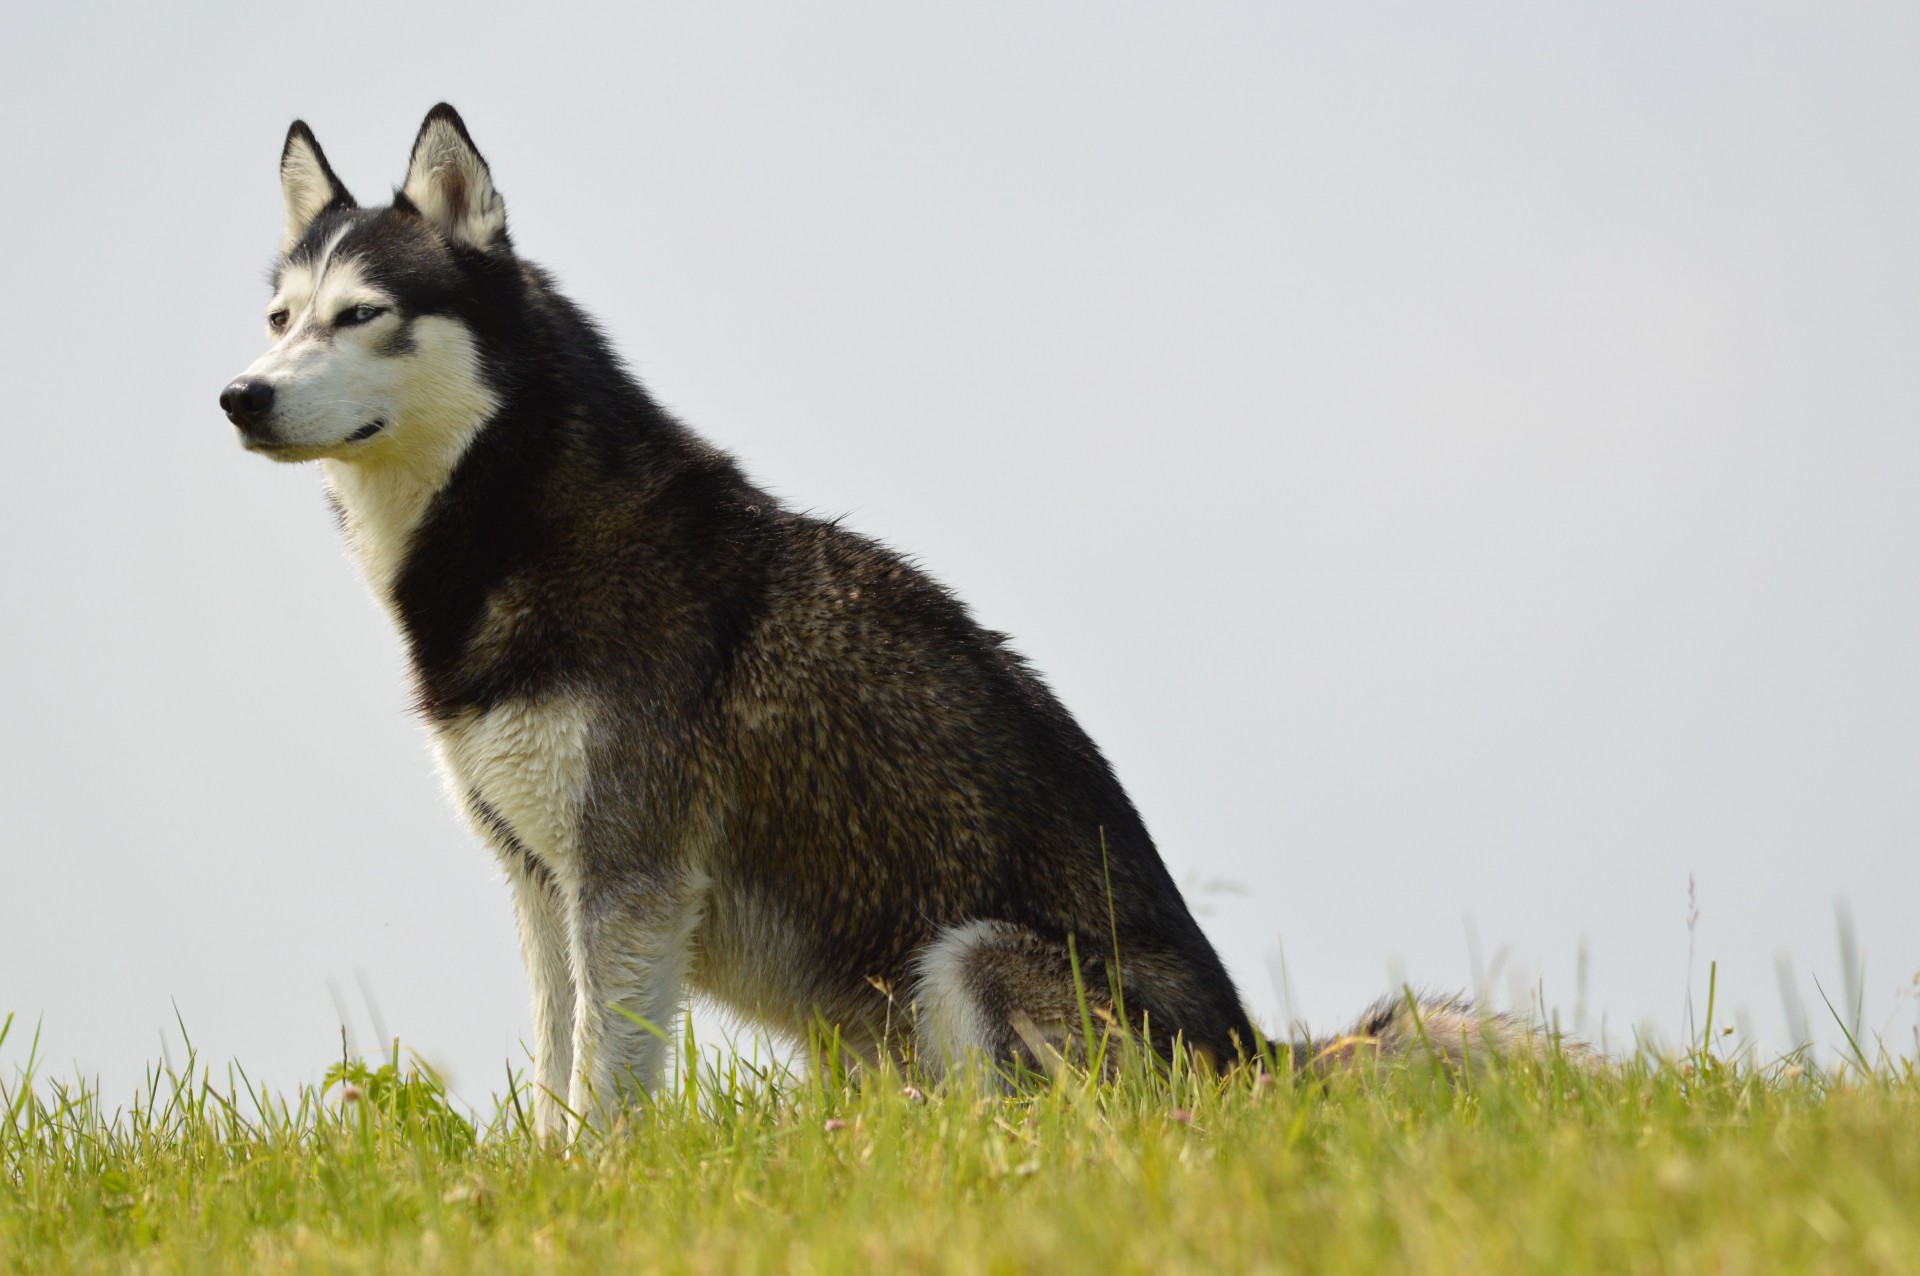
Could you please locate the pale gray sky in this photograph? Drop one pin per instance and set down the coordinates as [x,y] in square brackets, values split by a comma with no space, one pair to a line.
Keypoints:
[1455,459]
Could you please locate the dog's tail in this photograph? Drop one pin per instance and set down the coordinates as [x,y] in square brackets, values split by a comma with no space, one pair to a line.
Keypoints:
[1449,1031]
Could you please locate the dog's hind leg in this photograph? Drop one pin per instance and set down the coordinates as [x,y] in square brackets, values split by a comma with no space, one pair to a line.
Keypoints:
[991,992]
[997,992]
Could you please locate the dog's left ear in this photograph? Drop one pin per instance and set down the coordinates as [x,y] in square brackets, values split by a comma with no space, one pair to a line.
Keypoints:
[449,184]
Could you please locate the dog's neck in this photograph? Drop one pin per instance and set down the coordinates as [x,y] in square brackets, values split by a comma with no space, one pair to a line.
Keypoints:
[381,506]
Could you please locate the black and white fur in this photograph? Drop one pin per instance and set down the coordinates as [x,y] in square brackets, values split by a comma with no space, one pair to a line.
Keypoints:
[716,744]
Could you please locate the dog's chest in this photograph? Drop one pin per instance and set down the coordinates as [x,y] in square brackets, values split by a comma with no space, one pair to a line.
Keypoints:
[527,762]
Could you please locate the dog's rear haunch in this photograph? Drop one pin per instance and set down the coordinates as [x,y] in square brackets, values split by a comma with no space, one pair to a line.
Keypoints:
[716,744]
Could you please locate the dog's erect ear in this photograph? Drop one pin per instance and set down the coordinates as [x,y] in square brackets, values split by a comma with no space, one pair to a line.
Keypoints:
[448,183]
[307,180]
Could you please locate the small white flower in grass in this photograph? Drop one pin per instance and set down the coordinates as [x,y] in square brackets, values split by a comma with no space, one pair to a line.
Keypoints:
[835,1123]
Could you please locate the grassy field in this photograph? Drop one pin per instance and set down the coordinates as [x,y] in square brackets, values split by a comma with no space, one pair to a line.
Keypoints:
[1693,1165]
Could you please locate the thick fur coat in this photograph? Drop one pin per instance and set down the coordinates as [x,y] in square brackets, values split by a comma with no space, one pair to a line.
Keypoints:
[717,745]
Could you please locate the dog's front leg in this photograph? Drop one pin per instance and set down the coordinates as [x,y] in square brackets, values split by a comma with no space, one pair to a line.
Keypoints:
[540,909]
[632,942]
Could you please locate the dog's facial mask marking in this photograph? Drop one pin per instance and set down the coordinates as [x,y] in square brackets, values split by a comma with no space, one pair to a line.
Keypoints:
[354,373]
[335,380]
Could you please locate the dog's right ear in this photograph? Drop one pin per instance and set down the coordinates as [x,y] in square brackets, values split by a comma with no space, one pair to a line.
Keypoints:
[307,181]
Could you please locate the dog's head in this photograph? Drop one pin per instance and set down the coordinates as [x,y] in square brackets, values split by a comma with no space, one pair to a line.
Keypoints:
[373,317]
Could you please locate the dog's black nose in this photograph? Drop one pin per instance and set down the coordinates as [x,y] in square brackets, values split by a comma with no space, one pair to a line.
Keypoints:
[247,402]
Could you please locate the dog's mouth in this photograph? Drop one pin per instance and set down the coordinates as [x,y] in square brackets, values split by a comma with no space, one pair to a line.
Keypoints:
[283,451]
[280,451]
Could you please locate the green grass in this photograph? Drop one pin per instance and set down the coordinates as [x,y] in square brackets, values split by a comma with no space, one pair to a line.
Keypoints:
[1690,1166]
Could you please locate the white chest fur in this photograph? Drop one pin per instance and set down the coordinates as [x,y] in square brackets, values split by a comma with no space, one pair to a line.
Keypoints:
[527,760]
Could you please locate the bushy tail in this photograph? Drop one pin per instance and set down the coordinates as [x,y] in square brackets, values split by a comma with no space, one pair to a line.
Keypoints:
[1451,1030]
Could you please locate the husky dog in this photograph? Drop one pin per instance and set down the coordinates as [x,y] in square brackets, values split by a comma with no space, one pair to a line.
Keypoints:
[716,744]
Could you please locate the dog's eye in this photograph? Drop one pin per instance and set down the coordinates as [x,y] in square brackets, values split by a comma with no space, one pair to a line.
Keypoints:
[277,320]
[358,314]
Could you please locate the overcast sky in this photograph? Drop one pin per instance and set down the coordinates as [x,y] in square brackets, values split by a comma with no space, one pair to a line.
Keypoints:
[1459,462]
